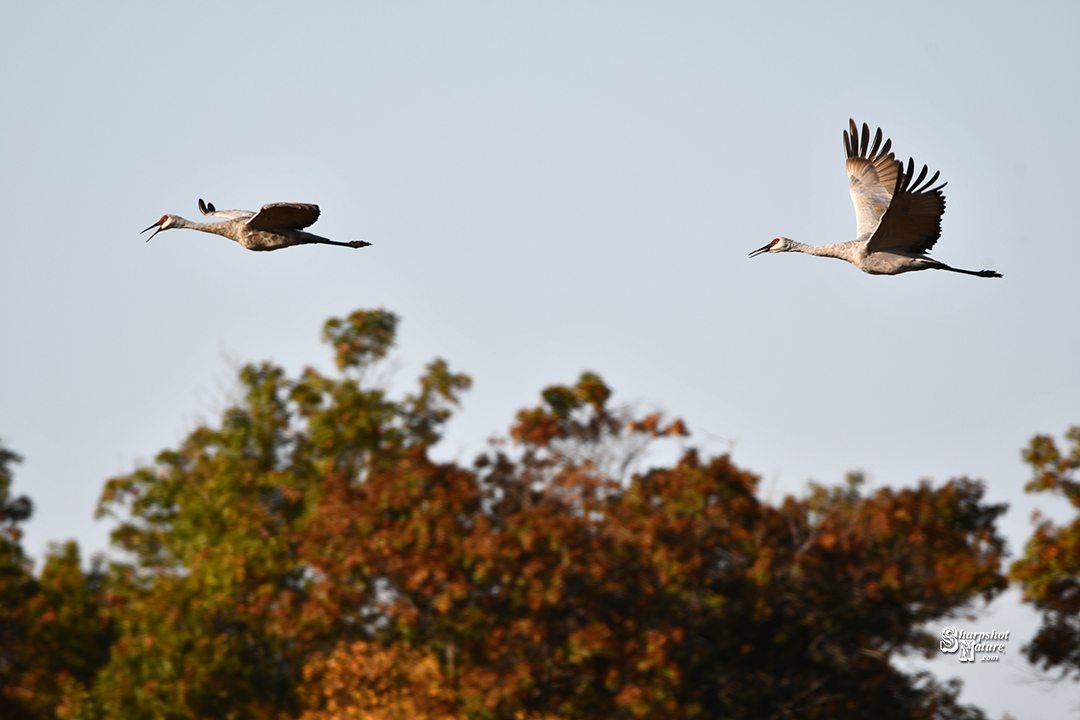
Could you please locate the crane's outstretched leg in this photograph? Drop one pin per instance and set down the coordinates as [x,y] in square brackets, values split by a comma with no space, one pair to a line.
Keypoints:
[305,238]
[976,273]
[352,244]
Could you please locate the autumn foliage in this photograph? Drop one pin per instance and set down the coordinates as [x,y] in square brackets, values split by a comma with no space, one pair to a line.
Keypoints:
[367,681]
[1049,572]
[308,557]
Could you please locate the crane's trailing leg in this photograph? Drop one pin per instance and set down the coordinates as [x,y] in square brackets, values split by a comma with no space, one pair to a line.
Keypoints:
[976,273]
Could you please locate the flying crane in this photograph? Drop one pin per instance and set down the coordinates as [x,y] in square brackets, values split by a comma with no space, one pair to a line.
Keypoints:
[275,226]
[898,219]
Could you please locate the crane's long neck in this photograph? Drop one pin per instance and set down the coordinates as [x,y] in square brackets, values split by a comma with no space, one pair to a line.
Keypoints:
[218,228]
[844,251]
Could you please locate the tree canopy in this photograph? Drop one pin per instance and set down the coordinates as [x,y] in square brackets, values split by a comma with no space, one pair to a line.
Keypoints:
[1049,571]
[307,557]
[55,631]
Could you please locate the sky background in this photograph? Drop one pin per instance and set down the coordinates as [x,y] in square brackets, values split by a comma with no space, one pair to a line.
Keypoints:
[549,188]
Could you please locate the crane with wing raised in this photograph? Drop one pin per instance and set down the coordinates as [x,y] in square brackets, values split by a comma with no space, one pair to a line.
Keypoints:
[898,216]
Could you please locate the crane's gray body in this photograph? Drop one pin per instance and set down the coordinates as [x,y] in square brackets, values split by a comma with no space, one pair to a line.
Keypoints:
[274,226]
[897,221]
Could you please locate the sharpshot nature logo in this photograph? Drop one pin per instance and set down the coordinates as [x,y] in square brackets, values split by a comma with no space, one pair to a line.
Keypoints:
[982,646]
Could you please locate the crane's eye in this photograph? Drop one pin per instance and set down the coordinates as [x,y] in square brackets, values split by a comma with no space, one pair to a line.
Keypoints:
[774,241]
[163,219]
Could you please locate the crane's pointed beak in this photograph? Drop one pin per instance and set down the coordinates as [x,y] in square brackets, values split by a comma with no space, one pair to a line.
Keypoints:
[155,225]
[761,250]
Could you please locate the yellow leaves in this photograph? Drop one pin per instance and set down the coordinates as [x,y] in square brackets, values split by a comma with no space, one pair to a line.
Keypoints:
[366,681]
[658,643]
[74,699]
[760,571]
[525,715]
[890,577]
[589,641]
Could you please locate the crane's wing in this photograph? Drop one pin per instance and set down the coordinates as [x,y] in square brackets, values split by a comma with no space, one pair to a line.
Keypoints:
[284,216]
[912,224]
[872,177]
[209,209]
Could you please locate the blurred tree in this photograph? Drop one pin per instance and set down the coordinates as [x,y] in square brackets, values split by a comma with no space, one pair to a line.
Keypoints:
[217,611]
[53,630]
[1049,572]
[365,681]
[550,589]
[16,587]
[309,557]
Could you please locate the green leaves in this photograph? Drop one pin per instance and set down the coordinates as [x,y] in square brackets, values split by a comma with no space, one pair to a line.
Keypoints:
[54,633]
[361,339]
[223,601]
[12,510]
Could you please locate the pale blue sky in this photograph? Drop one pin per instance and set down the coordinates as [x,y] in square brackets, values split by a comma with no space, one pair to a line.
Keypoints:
[549,188]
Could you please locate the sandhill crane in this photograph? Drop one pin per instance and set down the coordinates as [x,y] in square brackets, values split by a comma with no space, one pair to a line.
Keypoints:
[898,220]
[276,225]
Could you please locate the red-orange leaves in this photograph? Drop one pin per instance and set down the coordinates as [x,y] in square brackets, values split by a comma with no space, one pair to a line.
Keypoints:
[577,413]
[536,427]
[651,426]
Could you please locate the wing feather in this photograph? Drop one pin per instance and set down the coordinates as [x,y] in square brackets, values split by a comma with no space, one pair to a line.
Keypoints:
[209,209]
[284,216]
[872,177]
[894,210]
[912,223]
